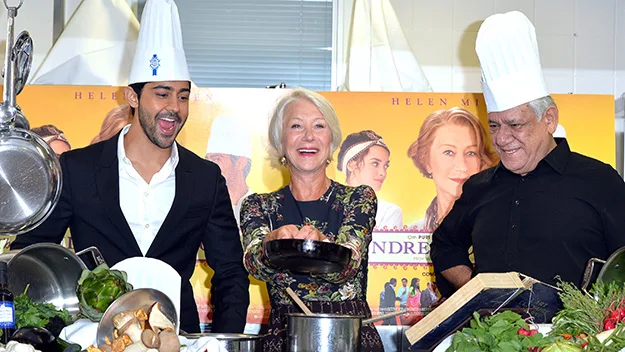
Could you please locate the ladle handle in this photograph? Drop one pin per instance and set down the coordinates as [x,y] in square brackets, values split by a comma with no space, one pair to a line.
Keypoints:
[382,317]
[298,301]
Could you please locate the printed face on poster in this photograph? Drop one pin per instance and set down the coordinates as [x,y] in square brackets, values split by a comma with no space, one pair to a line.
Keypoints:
[415,149]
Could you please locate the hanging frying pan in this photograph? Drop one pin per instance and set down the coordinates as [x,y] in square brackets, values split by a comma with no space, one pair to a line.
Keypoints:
[30,173]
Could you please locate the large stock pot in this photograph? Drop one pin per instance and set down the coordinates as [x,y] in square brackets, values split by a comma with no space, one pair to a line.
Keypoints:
[50,271]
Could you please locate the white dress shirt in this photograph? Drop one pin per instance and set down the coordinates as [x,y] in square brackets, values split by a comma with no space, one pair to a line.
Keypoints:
[145,205]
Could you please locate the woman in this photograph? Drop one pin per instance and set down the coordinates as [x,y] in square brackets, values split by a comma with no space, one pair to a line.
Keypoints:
[114,121]
[450,148]
[54,137]
[364,157]
[414,303]
[303,133]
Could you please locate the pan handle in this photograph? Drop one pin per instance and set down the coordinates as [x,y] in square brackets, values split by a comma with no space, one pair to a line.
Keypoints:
[383,316]
[588,273]
[93,260]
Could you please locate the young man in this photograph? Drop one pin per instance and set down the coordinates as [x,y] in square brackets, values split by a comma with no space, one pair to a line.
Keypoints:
[141,194]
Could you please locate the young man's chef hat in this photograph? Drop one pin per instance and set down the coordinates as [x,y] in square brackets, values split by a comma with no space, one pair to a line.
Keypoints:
[508,52]
[229,135]
[160,55]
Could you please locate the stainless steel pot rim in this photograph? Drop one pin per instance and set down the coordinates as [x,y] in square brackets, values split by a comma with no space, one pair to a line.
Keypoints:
[237,337]
[331,316]
[26,250]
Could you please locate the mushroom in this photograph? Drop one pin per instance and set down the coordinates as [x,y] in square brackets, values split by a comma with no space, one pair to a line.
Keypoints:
[136,347]
[169,341]
[150,339]
[122,318]
[105,348]
[158,320]
[132,328]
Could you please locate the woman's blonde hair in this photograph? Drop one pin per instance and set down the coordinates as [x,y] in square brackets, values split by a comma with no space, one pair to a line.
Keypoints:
[276,151]
[419,150]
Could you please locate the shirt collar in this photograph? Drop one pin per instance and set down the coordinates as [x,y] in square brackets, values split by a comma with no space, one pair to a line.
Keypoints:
[556,159]
[121,151]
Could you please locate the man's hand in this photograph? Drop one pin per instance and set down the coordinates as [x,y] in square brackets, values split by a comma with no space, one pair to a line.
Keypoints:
[457,275]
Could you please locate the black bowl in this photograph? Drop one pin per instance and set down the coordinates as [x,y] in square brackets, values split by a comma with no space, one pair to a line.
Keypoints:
[307,256]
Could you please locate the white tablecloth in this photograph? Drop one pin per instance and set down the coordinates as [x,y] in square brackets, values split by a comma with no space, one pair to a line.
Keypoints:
[84,332]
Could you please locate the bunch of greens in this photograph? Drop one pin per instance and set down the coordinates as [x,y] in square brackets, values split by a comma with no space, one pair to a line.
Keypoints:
[501,332]
[38,314]
[591,315]
[98,288]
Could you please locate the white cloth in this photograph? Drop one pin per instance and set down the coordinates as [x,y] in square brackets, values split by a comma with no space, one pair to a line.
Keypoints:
[92,52]
[508,52]
[84,332]
[379,56]
[229,135]
[236,207]
[145,205]
[160,55]
[389,215]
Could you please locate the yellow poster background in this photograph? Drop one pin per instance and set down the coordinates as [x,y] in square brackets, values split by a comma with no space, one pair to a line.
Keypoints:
[397,117]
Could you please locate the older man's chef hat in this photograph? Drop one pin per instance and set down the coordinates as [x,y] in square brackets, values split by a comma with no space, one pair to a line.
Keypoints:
[160,55]
[508,52]
[229,135]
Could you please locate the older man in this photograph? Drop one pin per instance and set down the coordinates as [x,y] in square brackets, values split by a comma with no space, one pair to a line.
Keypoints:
[544,210]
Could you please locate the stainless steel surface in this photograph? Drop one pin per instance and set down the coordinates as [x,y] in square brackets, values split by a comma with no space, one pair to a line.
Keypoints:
[30,173]
[135,299]
[323,333]
[23,57]
[51,272]
[612,271]
[234,342]
[30,181]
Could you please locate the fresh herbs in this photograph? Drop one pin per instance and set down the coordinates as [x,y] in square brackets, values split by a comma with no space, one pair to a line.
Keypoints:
[37,314]
[596,315]
[501,332]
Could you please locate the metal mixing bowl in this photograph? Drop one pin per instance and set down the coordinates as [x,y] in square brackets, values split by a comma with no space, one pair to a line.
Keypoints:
[135,299]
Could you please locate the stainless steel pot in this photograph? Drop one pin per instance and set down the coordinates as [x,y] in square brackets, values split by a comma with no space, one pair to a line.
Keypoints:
[327,332]
[51,272]
[613,269]
[323,332]
[30,173]
[235,342]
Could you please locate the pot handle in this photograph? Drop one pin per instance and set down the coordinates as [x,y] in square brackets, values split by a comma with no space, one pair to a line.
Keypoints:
[382,317]
[92,257]
[588,273]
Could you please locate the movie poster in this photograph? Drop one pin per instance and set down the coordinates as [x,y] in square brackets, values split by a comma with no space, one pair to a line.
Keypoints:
[229,127]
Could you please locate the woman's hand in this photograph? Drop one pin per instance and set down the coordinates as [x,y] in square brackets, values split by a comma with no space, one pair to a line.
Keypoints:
[308,232]
[282,232]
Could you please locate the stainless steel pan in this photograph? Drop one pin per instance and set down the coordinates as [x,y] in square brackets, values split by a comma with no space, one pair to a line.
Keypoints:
[30,173]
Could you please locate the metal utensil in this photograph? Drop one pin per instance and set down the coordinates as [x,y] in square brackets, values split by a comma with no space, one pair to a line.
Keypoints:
[233,342]
[135,299]
[30,173]
[307,256]
[51,272]
[613,269]
[298,301]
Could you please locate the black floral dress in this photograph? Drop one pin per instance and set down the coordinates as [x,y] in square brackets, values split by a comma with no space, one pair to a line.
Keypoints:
[346,215]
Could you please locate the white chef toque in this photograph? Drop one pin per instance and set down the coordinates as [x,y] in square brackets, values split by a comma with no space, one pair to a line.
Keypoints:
[508,52]
[160,54]
[230,135]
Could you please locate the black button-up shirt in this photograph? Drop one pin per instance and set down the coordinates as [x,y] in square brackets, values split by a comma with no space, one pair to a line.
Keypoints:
[549,222]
